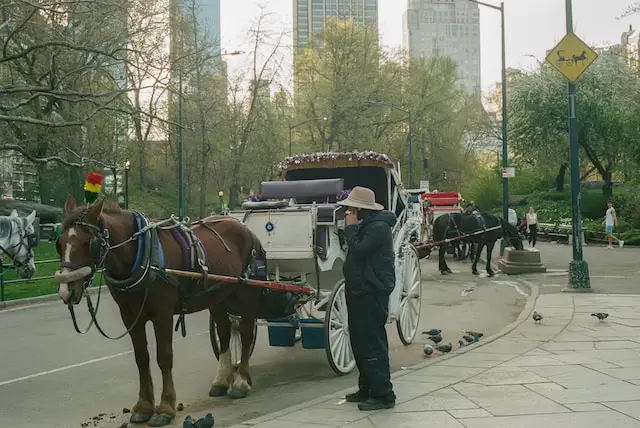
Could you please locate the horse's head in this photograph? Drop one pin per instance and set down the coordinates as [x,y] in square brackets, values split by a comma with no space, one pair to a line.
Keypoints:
[82,248]
[18,238]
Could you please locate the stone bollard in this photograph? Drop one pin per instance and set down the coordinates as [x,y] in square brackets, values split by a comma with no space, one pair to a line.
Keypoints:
[521,261]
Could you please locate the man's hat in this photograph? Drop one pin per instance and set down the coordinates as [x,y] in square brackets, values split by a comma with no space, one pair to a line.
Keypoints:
[92,187]
[363,198]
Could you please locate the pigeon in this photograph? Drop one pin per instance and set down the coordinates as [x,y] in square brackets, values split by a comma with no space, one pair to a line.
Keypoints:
[536,317]
[188,423]
[461,343]
[433,332]
[475,334]
[470,339]
[428,349]
[600,315]
[444,348]
[205,422]
[436,339]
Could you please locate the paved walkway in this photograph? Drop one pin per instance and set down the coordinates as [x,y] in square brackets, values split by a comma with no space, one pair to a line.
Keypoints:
[571,370]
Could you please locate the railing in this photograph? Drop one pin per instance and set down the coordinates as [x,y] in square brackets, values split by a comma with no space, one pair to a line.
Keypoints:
[3,282]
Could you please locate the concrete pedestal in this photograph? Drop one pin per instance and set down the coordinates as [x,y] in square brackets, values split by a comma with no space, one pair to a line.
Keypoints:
[516,261]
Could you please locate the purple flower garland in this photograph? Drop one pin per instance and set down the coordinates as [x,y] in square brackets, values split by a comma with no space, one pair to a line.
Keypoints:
[331,156]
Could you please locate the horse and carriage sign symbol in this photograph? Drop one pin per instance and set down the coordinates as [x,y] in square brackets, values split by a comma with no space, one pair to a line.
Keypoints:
[571,57]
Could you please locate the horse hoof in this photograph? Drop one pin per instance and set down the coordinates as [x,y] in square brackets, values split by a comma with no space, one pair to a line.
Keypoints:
[218,391]
[140,417]
[443,272]
[449,271]
[237,393]
[491,274]
[160,420]
[475,272]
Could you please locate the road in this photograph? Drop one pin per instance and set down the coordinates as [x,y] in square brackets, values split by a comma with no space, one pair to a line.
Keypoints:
[52,377]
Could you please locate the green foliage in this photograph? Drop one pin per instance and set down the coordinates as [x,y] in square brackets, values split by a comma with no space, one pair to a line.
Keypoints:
[485,191]
[607,109]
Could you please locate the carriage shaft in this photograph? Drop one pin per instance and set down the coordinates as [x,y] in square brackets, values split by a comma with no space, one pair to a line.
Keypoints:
[272,285]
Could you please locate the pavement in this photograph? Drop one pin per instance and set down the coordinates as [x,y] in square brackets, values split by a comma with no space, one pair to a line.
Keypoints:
[569,370]
[51,376]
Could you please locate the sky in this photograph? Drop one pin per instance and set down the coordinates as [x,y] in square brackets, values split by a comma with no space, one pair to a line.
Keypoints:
[532,27]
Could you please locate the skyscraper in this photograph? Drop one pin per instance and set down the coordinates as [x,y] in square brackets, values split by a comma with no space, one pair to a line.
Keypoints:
[446,28]
[309,15]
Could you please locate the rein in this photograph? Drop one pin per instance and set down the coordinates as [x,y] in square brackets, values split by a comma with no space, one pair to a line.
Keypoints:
[99,248]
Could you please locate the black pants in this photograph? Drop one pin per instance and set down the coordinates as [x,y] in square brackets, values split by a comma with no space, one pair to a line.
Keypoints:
[533,234]
[367,319]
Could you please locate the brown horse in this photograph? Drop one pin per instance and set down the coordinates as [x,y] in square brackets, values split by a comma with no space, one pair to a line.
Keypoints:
[97,237]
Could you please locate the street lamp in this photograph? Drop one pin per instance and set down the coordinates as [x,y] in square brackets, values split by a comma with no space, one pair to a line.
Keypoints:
[292,126]
[408,111]
[127,165]
[180,145]
[505,159]
[220,195]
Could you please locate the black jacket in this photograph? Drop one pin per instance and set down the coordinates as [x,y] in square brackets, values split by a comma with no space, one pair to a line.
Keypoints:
[370,264]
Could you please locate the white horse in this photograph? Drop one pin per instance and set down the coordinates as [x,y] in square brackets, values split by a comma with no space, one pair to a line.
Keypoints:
[18,238]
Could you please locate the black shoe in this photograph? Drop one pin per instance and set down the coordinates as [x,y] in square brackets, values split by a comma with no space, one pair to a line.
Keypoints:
[376,404]
[357,397]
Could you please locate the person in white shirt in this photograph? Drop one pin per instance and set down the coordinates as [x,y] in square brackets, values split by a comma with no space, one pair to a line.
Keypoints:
[513,217]
[611,220]
[532,227]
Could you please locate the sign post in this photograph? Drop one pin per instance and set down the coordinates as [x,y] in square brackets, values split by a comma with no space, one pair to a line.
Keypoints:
[571,57]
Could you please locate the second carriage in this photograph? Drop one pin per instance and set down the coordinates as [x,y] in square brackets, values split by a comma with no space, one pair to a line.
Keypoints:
[301,228]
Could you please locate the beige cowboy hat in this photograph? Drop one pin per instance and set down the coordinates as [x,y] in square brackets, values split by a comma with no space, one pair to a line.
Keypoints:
[361,197]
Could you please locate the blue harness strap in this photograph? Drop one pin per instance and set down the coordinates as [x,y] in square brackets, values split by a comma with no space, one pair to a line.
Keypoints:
[140,250]
[140,239]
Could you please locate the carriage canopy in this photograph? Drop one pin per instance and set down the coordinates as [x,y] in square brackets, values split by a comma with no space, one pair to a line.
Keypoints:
[368,169]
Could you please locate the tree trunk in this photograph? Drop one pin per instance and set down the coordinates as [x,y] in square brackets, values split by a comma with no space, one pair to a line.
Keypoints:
[607,188]
[560,177]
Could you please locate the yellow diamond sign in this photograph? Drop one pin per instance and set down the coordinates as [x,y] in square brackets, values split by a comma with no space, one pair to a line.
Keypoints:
[571,57]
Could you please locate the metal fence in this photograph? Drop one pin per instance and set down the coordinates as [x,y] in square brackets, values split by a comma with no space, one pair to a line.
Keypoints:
[46,231]
[4,268]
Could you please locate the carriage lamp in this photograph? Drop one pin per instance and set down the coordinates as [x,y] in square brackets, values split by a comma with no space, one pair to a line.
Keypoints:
[220,195]
[127,165]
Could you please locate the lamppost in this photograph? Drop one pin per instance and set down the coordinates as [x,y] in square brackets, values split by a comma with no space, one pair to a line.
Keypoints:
[220,195]
[408,111]
[127,165]
[292,126]
[180,128]
[505,159]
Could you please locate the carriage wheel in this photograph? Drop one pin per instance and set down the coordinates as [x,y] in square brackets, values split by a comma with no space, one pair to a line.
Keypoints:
[336,331]
[235,343]
[410,301]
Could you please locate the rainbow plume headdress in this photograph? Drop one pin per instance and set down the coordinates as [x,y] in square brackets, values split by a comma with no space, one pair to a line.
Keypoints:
[92,187]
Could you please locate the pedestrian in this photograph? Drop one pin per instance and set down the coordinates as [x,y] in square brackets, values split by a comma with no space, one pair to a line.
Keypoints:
[532,227]
[369,273]
[611,220]
[512,217]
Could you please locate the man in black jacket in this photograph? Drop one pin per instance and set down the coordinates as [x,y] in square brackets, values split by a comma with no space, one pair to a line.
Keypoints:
[369,272]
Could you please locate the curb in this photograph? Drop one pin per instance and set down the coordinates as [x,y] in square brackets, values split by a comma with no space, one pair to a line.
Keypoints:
[524,315]
[31,301]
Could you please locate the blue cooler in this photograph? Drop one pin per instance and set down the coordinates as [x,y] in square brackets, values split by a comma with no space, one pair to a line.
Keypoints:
[283,333]
[312,333]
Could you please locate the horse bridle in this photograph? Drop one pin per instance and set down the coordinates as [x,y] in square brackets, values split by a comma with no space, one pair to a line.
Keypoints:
[98,248]
[27,240]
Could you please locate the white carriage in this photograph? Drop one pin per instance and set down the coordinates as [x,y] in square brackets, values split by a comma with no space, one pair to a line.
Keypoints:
[301,228]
